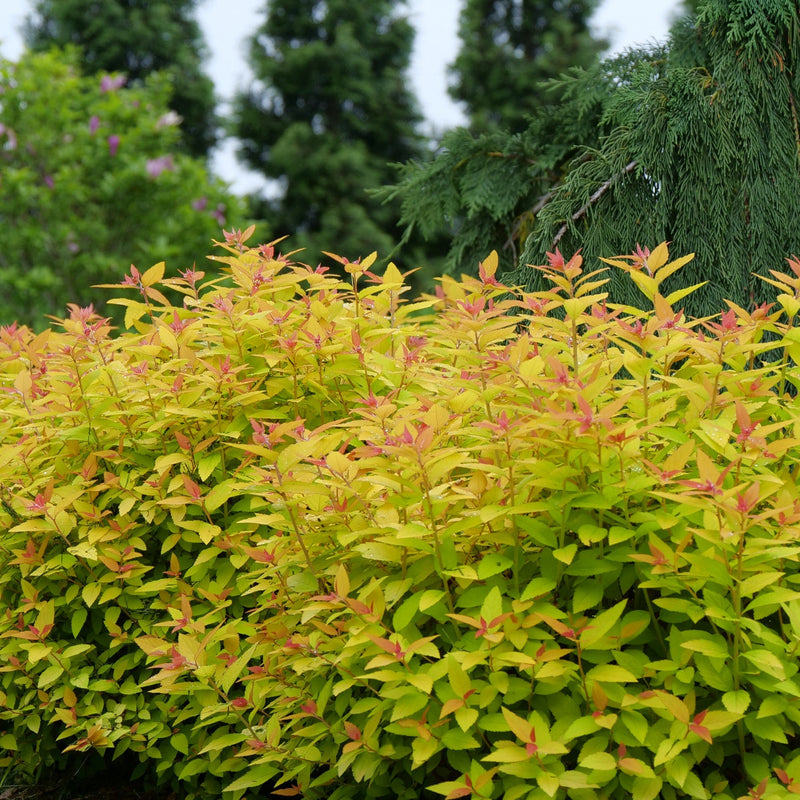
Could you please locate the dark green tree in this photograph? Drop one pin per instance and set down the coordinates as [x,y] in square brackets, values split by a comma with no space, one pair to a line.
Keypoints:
[137,38]
[686,8]
[330,110]
[509,47]
[694,142]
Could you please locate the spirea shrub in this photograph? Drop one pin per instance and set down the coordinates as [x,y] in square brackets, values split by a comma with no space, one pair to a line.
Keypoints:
[300,536]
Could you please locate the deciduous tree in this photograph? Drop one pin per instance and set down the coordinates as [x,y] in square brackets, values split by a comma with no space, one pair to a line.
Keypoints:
[137,37]
[90,181]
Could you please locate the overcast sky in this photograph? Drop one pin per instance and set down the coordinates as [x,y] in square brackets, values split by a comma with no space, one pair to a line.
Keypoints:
[226,23]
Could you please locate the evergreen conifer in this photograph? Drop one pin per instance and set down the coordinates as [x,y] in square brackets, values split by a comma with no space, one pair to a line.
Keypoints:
[696,142]
[330,110]
[508,47]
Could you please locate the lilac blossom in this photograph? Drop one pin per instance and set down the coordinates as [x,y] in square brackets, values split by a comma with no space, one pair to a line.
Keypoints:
[110,83]
[94,124]
[11,144]
[155,166]
[200,204]
[113,144]
[168,120]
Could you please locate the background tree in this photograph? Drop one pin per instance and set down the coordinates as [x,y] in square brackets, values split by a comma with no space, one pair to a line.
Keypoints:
[91,183]
[508,47]
[694,142]
[330,110]
[137,37]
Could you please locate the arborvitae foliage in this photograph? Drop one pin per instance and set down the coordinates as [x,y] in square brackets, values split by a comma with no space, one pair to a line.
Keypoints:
[137,37]
[486,190]
[508,47]
[695,142]
[330,109]
[691,6]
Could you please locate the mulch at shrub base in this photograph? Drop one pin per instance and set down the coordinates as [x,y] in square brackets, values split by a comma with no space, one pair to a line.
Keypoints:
[64,791]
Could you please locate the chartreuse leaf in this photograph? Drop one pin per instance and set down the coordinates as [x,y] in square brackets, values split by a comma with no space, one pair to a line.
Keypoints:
[492,606]
[712,647]
[767,662]
[736,702]
[408,705]
[459,680]
[636,723]
[610,673]
[457,739]
[422,749]
[599,627]
[598,761]
[255,776]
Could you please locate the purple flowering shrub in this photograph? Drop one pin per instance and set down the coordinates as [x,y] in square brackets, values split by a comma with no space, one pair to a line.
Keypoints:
[90,181]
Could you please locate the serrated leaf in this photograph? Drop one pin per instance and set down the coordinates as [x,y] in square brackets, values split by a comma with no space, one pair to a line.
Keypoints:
[708,647]
[755,583]
[408,705]
[507,754]
[422,750]
[599,627]
[77,619]
[50,676]
[662,273]
[457,739]
[646,284]
[466,718]
[717,720]
[521,728]
[610,673]
[406,612]
[736,702]
[255,776]
[636,724]
[493,564]
[543,586]
[658,257]
[492,606]
[154,274]
[588,594]
[90,593]
[601,761]
[548,783]
[767,662]
[566,554]
[679,294]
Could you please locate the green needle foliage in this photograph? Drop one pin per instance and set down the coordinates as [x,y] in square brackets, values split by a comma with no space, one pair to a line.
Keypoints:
[137,37]
[695,142]
[508,47]
[330,108]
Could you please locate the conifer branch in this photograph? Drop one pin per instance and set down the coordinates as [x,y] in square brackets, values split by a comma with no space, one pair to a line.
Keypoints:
[525,217]
[592,200]
[794,121]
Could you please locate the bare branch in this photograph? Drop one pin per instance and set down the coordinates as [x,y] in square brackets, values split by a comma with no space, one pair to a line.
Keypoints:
[592,200]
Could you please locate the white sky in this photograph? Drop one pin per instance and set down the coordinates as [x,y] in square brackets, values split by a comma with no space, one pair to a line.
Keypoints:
[227,23]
